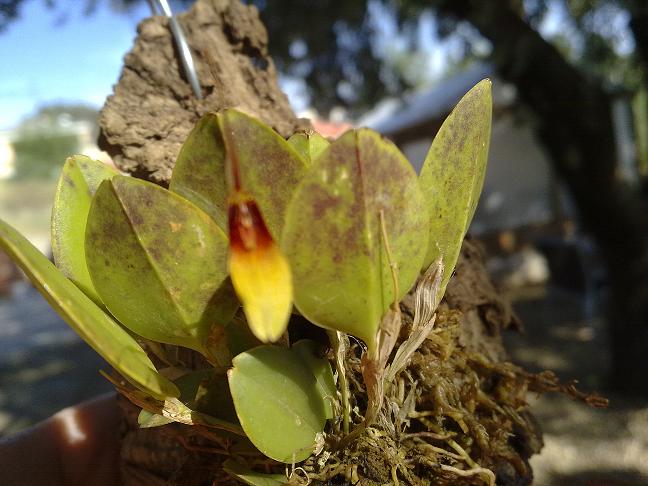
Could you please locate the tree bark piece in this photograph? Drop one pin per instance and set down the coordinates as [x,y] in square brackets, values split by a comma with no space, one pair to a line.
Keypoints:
[146,120]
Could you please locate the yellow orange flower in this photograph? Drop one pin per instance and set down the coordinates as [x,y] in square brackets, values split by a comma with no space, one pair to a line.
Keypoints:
[259,271]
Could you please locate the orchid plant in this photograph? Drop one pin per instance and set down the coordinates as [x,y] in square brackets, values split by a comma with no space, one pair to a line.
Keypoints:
[334,232]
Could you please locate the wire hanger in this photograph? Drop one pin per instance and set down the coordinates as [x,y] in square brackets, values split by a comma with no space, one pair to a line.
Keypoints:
[161,7]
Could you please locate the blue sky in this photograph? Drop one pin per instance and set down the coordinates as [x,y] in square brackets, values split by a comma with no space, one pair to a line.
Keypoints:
[51,55]
[62,55]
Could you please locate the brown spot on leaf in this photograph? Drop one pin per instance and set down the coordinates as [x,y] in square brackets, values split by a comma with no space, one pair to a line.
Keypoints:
[67,180]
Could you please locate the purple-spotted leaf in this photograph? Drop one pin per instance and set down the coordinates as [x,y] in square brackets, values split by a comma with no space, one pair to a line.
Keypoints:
[277,402]
[268,167]
[453,173]
[309,145]
[79,181]
[333,239]
[199,171]
[90,322]
[158,263]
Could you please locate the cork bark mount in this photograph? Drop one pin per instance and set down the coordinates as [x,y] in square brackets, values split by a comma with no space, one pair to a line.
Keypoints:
[153,108]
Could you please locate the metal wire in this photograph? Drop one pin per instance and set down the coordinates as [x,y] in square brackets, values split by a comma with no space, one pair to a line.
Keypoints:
[162,7]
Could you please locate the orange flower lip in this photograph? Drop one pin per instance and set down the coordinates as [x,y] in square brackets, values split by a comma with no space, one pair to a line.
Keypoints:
[259,271]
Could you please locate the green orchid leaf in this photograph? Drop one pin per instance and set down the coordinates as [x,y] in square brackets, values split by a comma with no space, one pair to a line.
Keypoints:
[94,326]
[199,171]
[239,336]
[321,368]
[147,420]
[309,145]
[176,411]
[253,478]
[277,402]
[158,263]
[79,180]
[208,393]
[333,236]
[204,400]
[453,173]
[269,167]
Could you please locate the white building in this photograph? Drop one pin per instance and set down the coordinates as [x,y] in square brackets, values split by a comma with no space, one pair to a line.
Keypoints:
[519,189]
[7,155]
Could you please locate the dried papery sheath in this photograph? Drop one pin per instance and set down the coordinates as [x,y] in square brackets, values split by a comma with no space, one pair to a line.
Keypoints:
[259,271]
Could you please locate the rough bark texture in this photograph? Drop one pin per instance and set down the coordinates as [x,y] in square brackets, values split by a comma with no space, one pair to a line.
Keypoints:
[485,313]
[153,108]
[143,126]
[574,123]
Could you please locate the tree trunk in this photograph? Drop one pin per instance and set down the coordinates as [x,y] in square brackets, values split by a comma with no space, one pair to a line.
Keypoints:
[638,23]
[574,124]
[146,120]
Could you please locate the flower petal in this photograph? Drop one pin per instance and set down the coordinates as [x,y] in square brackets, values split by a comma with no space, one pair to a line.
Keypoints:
[259,271]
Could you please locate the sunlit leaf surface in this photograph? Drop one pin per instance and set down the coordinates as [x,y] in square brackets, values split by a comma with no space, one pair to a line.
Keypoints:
[199,171]
[269,167]
[333,239]
[158,263]
[453,175]
[96,328]
[309,145]
[79,181]
[277,402]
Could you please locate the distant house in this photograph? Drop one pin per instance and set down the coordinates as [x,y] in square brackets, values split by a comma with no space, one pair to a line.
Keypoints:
[519,189]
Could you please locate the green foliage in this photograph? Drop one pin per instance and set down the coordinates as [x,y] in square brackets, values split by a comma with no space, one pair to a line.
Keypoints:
[359,176]
[270,168]
[356,226]
[309,145]
[453,175]
[207,392]
[147,420]
[39,155]
[77,185]
[278,402]
[158,263]
[96,328]
[321,370]
[199,171]
[247,476]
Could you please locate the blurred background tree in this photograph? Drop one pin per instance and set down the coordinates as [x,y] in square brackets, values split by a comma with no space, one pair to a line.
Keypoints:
[567,58]
[41,141]
[39,156]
